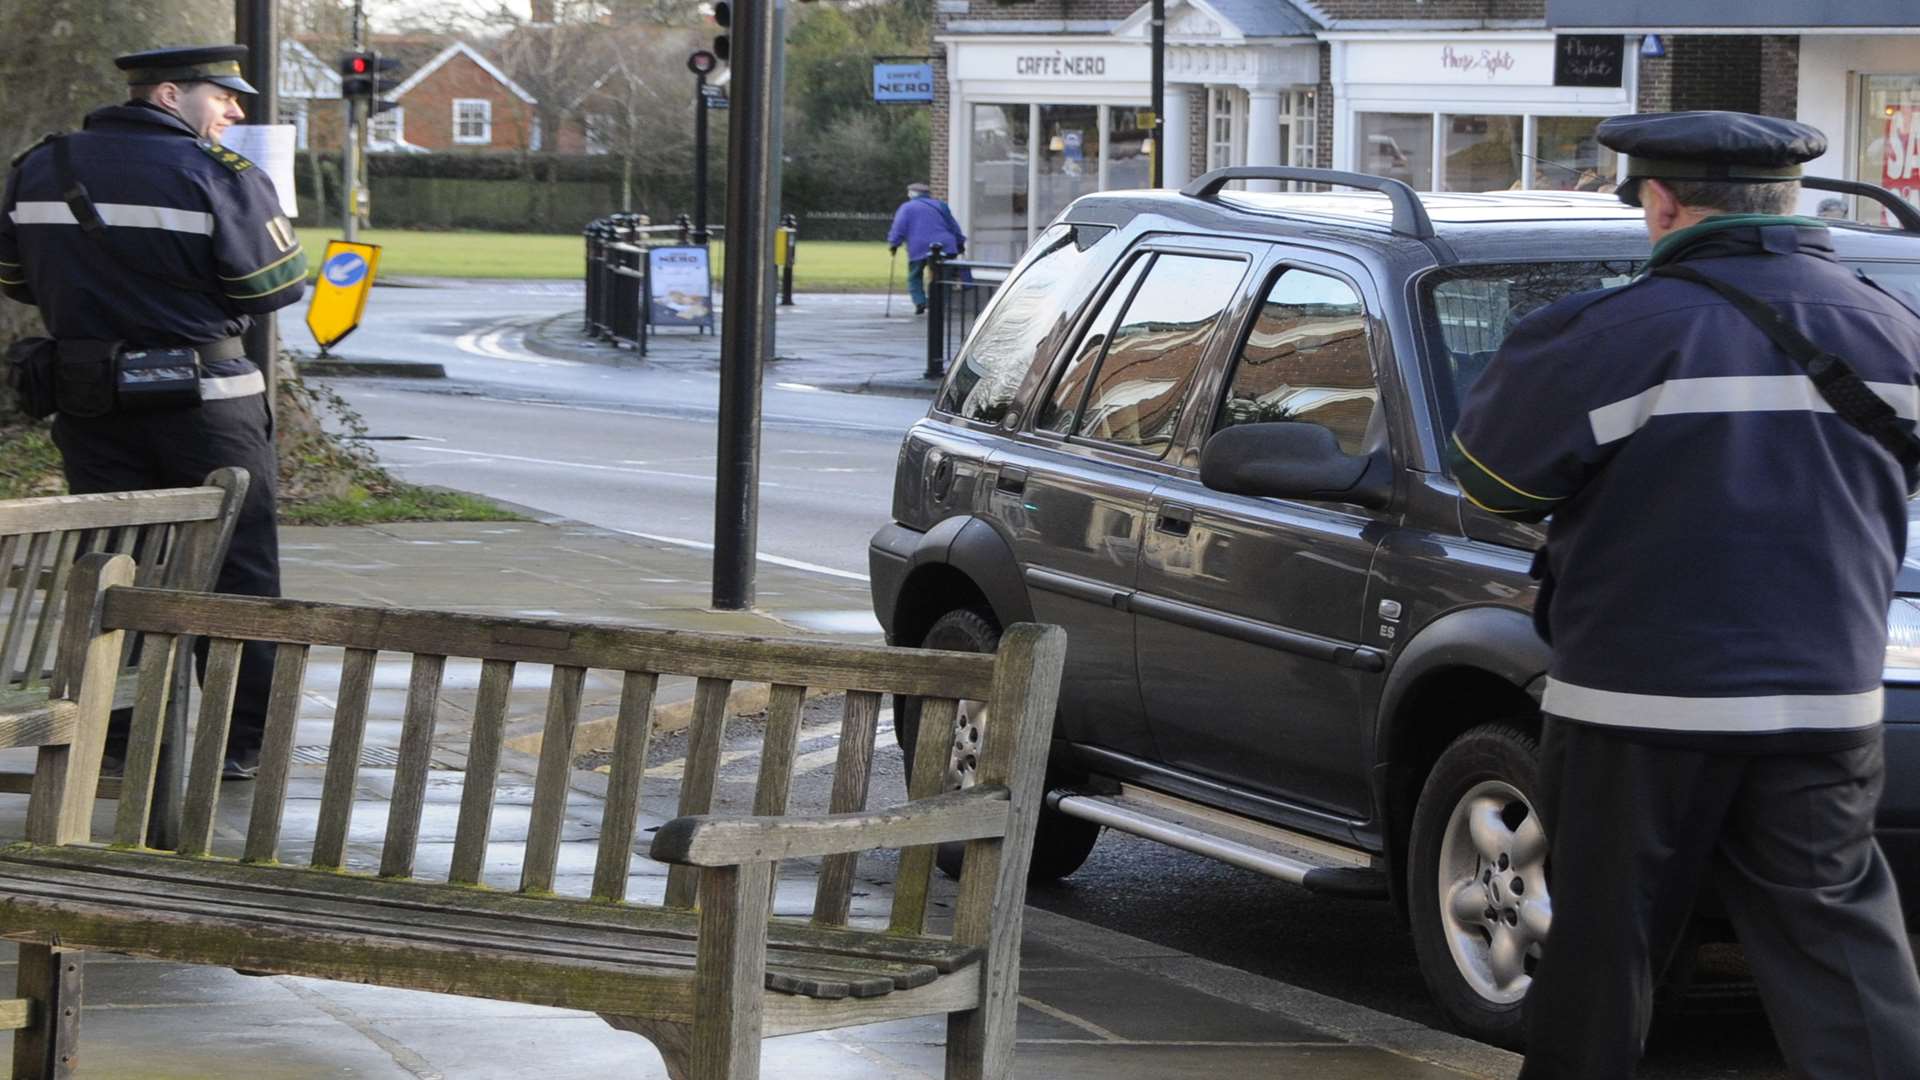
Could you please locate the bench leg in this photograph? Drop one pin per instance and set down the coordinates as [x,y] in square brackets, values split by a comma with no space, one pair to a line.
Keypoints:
[48,1048]
[980,1040]
[674,1041]
[730,974]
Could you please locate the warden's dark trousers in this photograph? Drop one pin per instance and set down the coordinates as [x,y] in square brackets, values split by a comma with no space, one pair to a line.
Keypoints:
[134,452]
[1636,829]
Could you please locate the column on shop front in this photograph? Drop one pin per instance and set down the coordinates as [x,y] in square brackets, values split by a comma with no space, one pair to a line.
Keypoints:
[1263,134]
[1177,151]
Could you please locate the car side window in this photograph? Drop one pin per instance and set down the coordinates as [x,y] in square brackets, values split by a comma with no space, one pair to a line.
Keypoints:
[1155,350]
[1306,358]
[1025,321]
[1063,408]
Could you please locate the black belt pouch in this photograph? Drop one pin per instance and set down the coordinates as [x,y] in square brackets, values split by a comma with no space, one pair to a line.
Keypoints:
[83,379]
[30,365]
[156,380]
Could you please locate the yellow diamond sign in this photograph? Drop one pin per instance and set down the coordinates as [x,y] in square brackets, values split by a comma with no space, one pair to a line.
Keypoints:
[340,294]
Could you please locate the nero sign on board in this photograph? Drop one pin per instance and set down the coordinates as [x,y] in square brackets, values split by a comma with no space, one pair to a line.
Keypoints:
[903,83]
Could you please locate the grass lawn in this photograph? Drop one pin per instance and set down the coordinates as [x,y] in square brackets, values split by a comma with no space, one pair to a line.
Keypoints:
[822,266]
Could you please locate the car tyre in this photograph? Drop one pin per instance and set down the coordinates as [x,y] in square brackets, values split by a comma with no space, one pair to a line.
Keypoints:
[1477,888]
[1060,843]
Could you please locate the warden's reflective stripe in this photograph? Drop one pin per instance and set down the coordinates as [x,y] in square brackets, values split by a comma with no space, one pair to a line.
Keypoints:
[1732,715]
[125,215]
[233,386]
[1731,394]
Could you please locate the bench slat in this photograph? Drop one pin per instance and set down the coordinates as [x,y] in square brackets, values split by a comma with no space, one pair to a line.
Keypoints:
[852,776]
[785,705]
[542,641]
[932,751]
[22,604]
[560,912]
[550,784]
[706,734]
[628,769]
[52,603]
[410,773]
[483,770]
[795,971]
[35,720]
[108,510]
[143,739]
[343,758]
[209,746]
[276,752]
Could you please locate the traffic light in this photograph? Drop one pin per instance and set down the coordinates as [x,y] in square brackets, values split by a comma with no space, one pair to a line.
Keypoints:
[360,76]
[723,18]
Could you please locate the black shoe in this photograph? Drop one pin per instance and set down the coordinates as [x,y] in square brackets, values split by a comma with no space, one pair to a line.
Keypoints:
[241,766]
[919,309]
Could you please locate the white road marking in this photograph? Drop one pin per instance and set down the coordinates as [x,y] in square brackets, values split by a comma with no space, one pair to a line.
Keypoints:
[496,456]
[776,560]
[803,764]
[487,341]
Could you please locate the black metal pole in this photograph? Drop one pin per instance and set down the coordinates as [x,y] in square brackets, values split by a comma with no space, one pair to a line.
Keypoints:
[255,26]
[753,193]
[936,313]
[1159,158]
[700,158]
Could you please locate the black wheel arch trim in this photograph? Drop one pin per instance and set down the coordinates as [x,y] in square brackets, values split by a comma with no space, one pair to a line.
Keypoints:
[967,544]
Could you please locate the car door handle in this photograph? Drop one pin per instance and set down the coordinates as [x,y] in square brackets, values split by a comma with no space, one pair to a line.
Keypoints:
[1175,520]
[1012,480]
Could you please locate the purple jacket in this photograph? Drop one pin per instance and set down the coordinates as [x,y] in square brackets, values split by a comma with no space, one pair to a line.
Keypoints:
[923,221]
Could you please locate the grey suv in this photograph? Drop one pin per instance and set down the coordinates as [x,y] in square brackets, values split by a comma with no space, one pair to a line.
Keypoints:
[1202,430]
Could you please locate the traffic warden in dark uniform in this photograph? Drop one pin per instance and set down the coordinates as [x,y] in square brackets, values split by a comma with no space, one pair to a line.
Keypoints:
[173,241]
[1720,562]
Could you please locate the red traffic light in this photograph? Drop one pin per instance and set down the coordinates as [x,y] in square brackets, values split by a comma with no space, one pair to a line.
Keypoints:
[356,63]
[702,62]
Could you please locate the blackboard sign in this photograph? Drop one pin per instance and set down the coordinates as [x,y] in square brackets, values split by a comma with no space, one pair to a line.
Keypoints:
[1588,59]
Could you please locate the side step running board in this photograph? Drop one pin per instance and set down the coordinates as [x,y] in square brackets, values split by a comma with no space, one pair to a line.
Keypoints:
[1250,845]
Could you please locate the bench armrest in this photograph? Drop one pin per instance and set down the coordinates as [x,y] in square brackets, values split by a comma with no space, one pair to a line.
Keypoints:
[708,840]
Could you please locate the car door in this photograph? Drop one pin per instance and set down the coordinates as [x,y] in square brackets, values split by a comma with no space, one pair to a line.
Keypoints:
[1249,610]
[1071,488]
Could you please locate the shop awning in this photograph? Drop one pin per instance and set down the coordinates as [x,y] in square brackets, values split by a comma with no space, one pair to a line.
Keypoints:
[1701,16]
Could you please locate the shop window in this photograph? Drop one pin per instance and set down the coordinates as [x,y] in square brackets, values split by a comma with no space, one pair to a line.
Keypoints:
[1129,142]
[1063,406]
[1306,359]
[1155,351]
[1567,157]
[1889,142]
[1482,153]
[1025,321]
[1069,160]
[1398,145]
[472,120]
[997,206]
[1298,126]
[1225,120]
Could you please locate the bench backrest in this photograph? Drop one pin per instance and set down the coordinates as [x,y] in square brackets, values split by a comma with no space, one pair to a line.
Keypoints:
[177,537]
[1019,683]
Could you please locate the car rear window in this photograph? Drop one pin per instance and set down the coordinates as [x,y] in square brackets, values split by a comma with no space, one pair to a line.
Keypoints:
[1026,320]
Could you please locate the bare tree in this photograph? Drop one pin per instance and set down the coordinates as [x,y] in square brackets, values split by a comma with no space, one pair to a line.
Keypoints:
[641,106]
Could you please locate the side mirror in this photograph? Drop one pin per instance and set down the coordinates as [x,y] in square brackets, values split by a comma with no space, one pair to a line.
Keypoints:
[1294,460]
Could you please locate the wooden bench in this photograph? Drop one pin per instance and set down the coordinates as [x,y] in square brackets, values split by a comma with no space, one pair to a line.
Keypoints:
[178,537]
[704,982]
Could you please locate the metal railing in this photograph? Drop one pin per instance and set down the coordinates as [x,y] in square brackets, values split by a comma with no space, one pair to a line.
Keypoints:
[957,292]
[618,303]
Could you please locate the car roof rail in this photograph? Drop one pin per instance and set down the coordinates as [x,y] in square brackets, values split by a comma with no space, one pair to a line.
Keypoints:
[1409,215]
[1903,211]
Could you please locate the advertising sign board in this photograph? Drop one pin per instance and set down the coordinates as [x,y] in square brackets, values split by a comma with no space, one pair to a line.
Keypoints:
[679,287]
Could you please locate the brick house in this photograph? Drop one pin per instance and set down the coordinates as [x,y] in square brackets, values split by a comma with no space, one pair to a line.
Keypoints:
[1039,102]
[450,97]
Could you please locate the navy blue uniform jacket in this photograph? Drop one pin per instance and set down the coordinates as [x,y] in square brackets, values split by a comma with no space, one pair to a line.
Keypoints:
[1723,545]
[173,204]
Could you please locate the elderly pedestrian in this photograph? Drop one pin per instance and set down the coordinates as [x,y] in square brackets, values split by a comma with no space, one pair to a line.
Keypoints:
[921,222]
[149,248]
[1728,507]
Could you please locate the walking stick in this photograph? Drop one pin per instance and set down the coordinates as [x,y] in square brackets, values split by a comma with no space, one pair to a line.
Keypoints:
[893,261]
